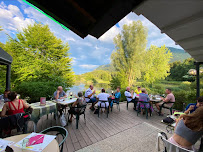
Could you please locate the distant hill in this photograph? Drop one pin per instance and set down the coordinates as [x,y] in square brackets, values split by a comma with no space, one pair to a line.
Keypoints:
[107,67]
[178,55]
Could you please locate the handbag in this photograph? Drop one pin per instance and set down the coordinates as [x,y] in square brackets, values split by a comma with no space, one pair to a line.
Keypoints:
[168,120]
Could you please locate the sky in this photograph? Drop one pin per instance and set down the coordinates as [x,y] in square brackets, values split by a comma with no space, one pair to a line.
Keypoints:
[88,53]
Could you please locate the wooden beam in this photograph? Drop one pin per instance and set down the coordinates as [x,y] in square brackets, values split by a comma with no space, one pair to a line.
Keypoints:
[81,10]
[188,39]
[182,22]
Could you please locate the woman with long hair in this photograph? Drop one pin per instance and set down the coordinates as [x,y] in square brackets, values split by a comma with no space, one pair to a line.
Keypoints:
[188,129]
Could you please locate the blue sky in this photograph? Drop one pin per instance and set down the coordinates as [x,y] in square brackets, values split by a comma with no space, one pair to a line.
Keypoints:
[88,53]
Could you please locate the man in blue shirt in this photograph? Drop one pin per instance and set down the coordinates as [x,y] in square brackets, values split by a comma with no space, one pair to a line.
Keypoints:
[118,93]
[117,97]
[59,93]
[193,106]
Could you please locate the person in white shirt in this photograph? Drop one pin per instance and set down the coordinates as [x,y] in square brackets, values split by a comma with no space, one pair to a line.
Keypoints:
[129,97]
[89,96]
[103,97]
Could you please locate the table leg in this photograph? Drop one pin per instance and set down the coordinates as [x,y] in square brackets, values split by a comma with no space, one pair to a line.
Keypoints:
[35,126]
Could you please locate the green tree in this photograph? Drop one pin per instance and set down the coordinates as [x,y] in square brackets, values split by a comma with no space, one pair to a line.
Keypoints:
[180,69]
[38,55]
[157,63]
[130,46]
[1,28]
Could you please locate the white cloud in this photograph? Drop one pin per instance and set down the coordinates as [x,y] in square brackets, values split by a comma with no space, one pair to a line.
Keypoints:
[110,34]
[11,18]
[88,66]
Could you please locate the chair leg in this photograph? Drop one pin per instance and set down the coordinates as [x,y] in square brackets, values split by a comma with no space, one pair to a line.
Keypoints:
[146,113]
[171,111]
[98,111]
[107,111]
[84,118]
[77,120]
[160,110]
[138,109]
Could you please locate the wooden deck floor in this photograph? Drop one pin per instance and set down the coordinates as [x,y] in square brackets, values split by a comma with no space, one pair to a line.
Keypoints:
[96,129]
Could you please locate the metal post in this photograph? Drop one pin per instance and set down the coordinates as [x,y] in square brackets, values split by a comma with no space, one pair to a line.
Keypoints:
[8,77]
[197,79]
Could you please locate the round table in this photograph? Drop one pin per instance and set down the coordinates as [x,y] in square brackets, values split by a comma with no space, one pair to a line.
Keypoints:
[53,146]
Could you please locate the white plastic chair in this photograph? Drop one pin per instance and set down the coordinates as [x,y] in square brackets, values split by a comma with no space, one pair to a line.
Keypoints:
[168,146]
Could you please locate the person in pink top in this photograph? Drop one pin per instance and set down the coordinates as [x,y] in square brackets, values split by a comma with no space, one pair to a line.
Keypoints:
[169,98]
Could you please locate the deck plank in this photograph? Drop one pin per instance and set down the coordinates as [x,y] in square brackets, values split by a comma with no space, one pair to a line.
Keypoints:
[96,129]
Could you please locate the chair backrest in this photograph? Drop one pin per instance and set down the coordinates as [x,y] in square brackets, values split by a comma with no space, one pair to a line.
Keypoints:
[59,131]
[168,146]
[81,109]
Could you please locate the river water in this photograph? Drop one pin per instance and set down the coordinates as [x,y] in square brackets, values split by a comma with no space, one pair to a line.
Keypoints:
[82,87]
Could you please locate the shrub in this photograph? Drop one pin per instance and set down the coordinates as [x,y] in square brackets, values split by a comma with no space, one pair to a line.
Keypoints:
[35,90]
[184,97]
[123,98]
[185,85]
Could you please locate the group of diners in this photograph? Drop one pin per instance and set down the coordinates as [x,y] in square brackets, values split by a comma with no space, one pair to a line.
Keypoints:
[141,98]
[188,129]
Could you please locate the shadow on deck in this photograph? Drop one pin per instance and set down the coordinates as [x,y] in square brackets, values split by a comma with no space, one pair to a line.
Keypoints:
[122,128]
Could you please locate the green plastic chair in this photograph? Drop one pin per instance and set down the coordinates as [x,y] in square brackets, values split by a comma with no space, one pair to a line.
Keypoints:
[146,109]
[60,131]
[106,108]
[163,106]
[81,110]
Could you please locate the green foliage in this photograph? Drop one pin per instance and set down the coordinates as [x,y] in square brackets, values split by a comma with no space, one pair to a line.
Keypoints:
[119,79]
[156,64]
[38,55]
[184,97]
[180,69]
[35,90]
[130,46]
[96,76]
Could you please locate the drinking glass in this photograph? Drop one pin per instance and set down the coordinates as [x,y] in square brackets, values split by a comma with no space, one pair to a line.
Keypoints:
[25,143]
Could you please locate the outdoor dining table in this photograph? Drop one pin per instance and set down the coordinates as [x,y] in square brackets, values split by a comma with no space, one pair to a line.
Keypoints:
[66,101]
[53,146]
[41,110]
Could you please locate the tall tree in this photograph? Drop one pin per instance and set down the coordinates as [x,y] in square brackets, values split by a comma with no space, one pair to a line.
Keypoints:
[157,63]
[38,55]
[130,46]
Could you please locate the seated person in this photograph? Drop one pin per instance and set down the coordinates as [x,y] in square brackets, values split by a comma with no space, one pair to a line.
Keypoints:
[188,129]
[118,93]
[145,98]
[193,106]
[117,96]
[169,98]
[89,98]
[103,97]
[5,95]
[13,106]
[59,93]
[138,90]
[79,102]
[129,96]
